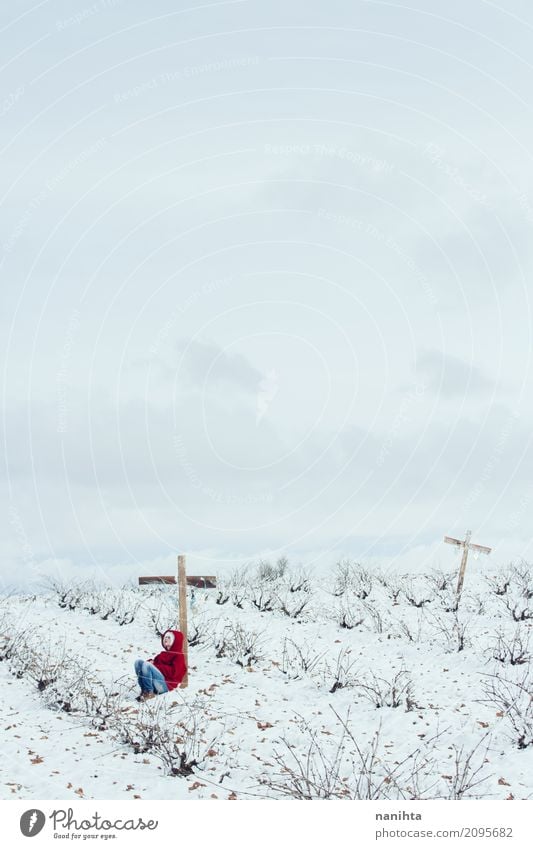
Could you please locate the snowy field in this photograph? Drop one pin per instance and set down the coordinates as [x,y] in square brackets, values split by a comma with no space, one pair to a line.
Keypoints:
[351,685]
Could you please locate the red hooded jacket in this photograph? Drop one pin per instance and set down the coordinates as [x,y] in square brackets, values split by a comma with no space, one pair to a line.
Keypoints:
[172,663]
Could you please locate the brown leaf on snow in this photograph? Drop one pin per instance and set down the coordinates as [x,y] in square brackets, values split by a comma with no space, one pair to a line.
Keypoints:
[79,792]
[37,760]
[264,725]
[509,797]
[499,713]
[232,796]
[503,781]
[195,785]
[211,753]
[447,777]
[483,724]
[130,787]
[136,797]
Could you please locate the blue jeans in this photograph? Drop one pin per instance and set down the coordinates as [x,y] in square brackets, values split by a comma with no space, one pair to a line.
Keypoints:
[150,679]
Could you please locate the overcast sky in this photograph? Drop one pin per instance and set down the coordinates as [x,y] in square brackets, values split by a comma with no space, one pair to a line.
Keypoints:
[266,274]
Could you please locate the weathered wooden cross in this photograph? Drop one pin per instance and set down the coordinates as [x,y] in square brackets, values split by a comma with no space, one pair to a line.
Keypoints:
[467,546]
[205,581]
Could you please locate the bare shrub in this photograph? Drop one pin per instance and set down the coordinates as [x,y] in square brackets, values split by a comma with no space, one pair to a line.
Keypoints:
[440,581]
[222,596]
[448,599]
[182,736]
[352,577]
[395,588]
[499,584]
[127,607]
[237,587]
[511,649]
[297,660]
[58,589]
[518,604]
[13,643]
[468,766]
[141,727]
[163,615]
[101,703]
[187,744]
[453,630]
[69,692]
[234,588]
[340,768]
[243,647]
[42,664]
[292,604]
[108,605]
[45,666]
[416,592]
[478,604]
[348,614]
[200,631]
[300,582]
[514,702]
[518,596]
[342,671]
[412,630]
[522,576]
[376,617]
[262,597]
[384,692]
[268,572]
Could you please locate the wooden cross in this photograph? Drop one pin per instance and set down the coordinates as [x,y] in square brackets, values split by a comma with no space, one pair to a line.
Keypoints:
[182,604]
[183,580]
[466,545]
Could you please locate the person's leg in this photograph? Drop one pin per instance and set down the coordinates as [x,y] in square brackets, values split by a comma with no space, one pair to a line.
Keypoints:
[144,675]
[158,681]
[138,666]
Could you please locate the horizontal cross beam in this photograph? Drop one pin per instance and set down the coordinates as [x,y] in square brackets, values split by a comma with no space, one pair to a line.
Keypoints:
[207,581]
[484,549]
[158,579]
[453,541]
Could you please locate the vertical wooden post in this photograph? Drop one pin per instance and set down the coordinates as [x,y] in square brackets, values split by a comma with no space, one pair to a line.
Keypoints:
[463,564]
[182,605]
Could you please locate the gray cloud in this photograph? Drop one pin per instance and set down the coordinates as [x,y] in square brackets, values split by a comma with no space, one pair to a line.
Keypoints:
[451,377]
[204,363]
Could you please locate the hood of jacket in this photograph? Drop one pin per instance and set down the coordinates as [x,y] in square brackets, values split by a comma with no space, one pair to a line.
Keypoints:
[177,644]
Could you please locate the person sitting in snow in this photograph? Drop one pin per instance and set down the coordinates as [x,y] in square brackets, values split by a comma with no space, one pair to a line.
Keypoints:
[165,671]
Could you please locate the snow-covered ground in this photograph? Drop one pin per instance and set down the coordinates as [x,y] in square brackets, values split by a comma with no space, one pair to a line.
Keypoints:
[347,685]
